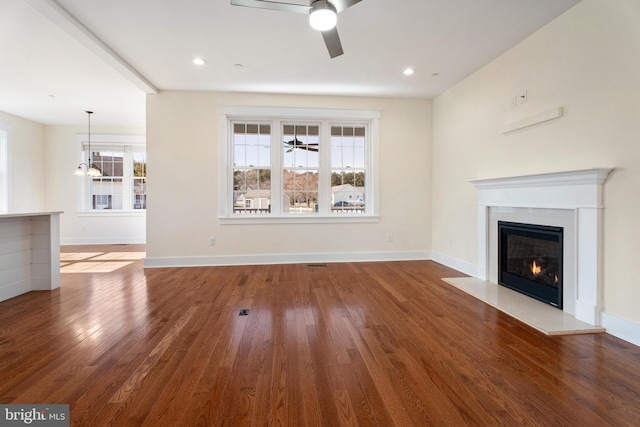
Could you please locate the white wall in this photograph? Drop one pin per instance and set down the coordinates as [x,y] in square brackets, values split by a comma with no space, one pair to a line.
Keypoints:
[62,158]
[182,209]
[25,152]
[587,61]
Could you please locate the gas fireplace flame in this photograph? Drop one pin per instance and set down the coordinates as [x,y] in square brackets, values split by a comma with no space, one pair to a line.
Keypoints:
[535,268]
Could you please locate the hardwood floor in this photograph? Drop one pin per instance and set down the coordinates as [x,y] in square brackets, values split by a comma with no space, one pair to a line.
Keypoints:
[370,344]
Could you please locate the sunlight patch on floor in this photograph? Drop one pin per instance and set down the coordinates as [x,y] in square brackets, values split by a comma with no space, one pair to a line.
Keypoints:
[120,256]
[97,262]
[78,256]
[94,267]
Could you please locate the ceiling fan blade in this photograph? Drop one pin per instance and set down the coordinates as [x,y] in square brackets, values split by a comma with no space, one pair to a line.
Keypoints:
[272,5]
[332,40]
[341,5]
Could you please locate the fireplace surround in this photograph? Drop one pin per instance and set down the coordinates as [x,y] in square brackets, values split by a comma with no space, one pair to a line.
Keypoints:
[572,200]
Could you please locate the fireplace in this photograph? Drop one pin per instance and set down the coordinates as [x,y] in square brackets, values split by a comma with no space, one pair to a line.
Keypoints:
[572,200]
[530,260]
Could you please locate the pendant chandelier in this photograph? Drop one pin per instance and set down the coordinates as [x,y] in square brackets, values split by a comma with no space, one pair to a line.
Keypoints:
[91,170]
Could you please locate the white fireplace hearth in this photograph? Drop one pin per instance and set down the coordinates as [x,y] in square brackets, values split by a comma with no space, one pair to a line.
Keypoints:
[572,200]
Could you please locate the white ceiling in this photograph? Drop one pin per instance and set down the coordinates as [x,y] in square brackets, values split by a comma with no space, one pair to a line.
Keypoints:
[60,58]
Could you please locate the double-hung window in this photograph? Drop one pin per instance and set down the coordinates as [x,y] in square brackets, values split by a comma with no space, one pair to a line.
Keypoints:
[300,168]
[121,160]
[295,164]
[107,191]
[251,167]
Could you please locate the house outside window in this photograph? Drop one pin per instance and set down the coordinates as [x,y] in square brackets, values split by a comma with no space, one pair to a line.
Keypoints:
[107,190]
[291,164]
[121,159]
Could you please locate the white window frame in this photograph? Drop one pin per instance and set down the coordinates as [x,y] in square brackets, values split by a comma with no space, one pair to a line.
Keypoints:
[277,116]
[124,143]
[4,168]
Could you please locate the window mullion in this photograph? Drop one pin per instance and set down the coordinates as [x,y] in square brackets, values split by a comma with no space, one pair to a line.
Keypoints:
[276,167]
[229,156]
[372,156]
[324,173]
[127,181]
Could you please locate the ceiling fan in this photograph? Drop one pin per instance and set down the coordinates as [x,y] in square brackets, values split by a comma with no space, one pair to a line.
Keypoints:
[322,16]
[296,143]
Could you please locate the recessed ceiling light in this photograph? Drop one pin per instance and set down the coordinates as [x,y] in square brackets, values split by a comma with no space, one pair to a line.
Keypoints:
[435,74]
[199,61]
[408,71]
[238,66]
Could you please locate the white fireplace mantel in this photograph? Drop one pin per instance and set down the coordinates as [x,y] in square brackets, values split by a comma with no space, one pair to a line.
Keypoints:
[579,191]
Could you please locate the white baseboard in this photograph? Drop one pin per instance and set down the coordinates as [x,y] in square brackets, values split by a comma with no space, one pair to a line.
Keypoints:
[123,240]
[203,261]
[621,328]
[456,264]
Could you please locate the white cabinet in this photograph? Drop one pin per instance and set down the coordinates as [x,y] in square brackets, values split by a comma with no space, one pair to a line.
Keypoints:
[29,253]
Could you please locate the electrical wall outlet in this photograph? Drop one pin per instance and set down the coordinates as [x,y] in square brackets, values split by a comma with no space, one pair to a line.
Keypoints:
[389,238]
[519,98]
[522,97]
[212,241]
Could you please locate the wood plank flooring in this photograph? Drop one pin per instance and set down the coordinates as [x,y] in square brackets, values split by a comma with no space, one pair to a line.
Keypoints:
[368,344]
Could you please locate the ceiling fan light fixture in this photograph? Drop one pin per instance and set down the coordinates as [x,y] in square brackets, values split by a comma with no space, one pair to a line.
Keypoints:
[323,15]
[93,172]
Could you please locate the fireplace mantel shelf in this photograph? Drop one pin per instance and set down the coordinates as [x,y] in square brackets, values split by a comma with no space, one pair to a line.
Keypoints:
[557,190]
[592,176]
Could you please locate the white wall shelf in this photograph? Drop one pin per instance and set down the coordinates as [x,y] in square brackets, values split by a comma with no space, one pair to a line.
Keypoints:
[533,119]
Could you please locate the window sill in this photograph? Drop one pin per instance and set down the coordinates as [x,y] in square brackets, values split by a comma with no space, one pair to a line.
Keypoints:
[302,219]
[112,213]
